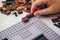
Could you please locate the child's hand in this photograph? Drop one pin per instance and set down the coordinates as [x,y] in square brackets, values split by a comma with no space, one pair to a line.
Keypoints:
[53,7]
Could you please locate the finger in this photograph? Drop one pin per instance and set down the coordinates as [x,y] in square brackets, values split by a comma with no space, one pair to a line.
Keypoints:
[50,10]
[35,4]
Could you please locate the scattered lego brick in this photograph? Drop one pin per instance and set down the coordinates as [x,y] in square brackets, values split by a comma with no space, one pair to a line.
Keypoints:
[9,7]
[14,7]
[7,12]
[20,12]
[5,39]
[9,2]
[12,12]
[1,9]
[40,37]
[57,25]
[15,14]
[4,9]
[4,4]
[3,1]
[55,20]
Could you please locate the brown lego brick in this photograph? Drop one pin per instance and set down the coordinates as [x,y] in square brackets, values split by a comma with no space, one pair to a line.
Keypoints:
[3,1]
[55,20]
[1,9]
[30,15]
[7,12]
[25,19]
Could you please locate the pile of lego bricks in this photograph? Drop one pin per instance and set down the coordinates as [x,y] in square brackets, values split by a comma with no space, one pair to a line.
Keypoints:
[14,7]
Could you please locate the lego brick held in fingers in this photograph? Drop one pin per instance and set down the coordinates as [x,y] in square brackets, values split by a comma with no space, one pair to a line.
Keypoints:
[25,19]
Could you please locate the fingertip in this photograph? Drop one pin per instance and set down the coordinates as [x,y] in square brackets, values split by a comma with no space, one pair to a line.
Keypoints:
[36,13]
[32,10]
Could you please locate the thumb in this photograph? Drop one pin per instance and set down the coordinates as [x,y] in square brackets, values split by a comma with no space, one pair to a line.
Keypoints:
[50,10]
